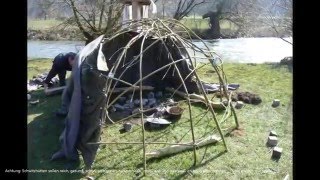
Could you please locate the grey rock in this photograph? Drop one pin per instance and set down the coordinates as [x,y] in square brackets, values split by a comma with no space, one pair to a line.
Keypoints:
[42,76]
[276,153]
[38,80]
[272,141]
[145,101]
[167,95]
[135,111]
[119,107]
[136,102]
[150,95]
[112,109]
[122,100]
[159,94]
[152,102]
[273,133]
[275,103]
[131,105]
[126,106]
[239,105]
[127,127]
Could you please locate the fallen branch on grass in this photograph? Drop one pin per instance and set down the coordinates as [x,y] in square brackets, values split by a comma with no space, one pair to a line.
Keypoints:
[179,148]
[54,91]
[215,105]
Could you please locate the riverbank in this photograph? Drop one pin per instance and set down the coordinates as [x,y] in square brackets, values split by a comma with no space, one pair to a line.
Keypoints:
[75,35]
[55,35]
[247,158]
[53,30]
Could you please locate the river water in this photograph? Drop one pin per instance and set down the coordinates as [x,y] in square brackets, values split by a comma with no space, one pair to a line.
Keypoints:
[240,50]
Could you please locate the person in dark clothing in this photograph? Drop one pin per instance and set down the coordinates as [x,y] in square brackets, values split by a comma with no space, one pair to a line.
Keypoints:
[61,64]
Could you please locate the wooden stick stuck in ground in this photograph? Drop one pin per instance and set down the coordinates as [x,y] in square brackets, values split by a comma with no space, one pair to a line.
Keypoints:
[215,105]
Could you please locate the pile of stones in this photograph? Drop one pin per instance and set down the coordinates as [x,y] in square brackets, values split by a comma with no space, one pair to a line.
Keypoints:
[130,105]
[37,81]
[273,142]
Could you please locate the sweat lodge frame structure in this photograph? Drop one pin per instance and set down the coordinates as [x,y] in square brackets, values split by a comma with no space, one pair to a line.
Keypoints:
[161,32]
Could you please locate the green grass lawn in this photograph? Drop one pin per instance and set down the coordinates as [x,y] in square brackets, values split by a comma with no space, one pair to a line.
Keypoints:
[203,24]
[43,24]
[190,22]
[248,156]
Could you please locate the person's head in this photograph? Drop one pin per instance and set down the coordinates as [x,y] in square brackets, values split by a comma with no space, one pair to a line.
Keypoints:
[71,58]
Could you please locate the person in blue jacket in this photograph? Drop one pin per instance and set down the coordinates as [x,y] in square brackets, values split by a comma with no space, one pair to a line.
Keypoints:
[61,64]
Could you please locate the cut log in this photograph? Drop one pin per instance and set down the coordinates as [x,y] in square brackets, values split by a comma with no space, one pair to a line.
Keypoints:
[59,90]
[135,88]
[54,91]
[215,105]
[179,148]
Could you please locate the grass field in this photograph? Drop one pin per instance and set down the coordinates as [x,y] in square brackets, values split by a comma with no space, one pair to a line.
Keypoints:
[43,24]
[248,156]
[203,24]
[190,22]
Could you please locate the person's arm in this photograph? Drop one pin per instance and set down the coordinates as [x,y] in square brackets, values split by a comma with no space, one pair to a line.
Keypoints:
[52,73]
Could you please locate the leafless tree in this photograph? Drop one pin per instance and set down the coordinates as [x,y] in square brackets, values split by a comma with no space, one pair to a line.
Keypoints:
[251,15]
[279,17]
[45,6]
[95,17]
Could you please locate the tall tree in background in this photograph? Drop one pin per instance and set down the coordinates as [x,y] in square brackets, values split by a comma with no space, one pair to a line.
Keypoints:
[184,7]
[271,15]
[215,17]
[95,17]
[251,16]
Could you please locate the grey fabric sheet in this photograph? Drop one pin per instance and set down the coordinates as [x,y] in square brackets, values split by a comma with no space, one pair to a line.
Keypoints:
[78,128]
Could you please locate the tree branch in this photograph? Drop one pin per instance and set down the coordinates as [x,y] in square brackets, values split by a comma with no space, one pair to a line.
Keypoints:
[101,14]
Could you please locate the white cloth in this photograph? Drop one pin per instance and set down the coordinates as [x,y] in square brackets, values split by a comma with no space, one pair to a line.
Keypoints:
[126,15]
[148,11]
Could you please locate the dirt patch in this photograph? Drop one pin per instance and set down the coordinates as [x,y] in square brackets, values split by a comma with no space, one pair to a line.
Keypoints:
[246,97]
[236,132]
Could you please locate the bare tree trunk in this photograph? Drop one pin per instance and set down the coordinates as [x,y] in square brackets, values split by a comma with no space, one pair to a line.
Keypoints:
[185,7]
[85,16]
[110,12]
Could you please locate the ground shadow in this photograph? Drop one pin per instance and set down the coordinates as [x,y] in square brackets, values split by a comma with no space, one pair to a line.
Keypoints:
[279,65]
[43,131]
[187,171]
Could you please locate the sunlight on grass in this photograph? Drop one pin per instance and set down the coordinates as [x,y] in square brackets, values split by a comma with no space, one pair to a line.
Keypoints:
[247,158]
[33,116]
[43,24]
